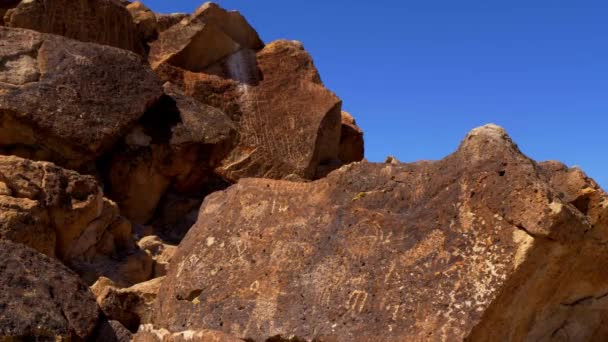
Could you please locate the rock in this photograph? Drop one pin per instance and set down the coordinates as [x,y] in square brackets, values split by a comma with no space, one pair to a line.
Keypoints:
[104,22]
[64,214]
[177,145]
[191,45]
[5,6]
[160,252]
[48,111]
[130,306]
[231,23]
[41,299]
[351,140]
[289,123]
[419,251]
[165,21]
[145,21]
[112,331]
[147,333]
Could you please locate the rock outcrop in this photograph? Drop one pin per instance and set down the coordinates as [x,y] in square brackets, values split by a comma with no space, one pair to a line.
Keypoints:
[63,214]
[104,22]
[41,299]
[422,251]
[351,140]
[66,101]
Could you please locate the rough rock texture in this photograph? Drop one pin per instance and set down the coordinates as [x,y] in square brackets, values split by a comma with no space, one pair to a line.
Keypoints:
[376,251]
[130,306]
[104,22]
[165,21]
[159,251]
[177,145]
[148,333]
[64,214]
[67,101]
[289,123]
[41,298]
[145,21]
[351,140]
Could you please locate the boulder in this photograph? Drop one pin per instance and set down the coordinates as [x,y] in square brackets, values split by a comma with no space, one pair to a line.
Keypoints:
[66,101]
[177,144]
[351,140]
[159,251]
[165,21]
[104,22]
[41,299]
[387,252]
[130,306]
[148,333]
[145,21]
[288,122]
[63,214]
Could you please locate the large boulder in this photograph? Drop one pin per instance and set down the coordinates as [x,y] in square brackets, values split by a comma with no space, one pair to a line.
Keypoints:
[288,122]
[104,22]
[64,214]
[387,252]
[351,140]
[177,145]
[67,101]
[41,299]
[206,37]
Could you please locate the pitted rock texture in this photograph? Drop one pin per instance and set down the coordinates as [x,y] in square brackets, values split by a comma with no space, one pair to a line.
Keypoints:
[41,299]
[63,214]
[377,252]
[66,101]
[289,123]
[104,22]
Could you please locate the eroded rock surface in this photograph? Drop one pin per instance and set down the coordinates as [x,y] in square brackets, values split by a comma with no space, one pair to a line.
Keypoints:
[104,22]
[351,140]
[41,298]
[64,214]
[372,252]
[148,333]
[66,101]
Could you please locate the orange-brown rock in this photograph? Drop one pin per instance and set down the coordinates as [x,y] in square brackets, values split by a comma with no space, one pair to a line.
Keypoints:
[130,306]
[67,101]
[104,22]
[145,21]
[165,21]
[351,140]
[64,214]
[41,299]
[177,145]
[289,123]
[148,333]
[378,252]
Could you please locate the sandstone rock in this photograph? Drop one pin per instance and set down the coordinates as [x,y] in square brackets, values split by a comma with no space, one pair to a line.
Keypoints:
[112,331]
[64,214]
[130,306]
[41,299]
[160,252]
[351,140]
[372,252]
[68,101]
[145,21]
[191,45]
[178,144]
[230,22]
[104,22]
[165,21]
[148,333]
[288,122]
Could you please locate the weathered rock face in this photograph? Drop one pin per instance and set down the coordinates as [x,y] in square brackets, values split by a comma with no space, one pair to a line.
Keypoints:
[41,298]
[351,140]
[64,214]
[177,145]
[165,21]
[145,21]
[104,22]
[289,123]
[148,333]
[374,251]
[67,101]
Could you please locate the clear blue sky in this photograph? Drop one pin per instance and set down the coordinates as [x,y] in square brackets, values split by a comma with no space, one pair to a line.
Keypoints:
[417,75]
